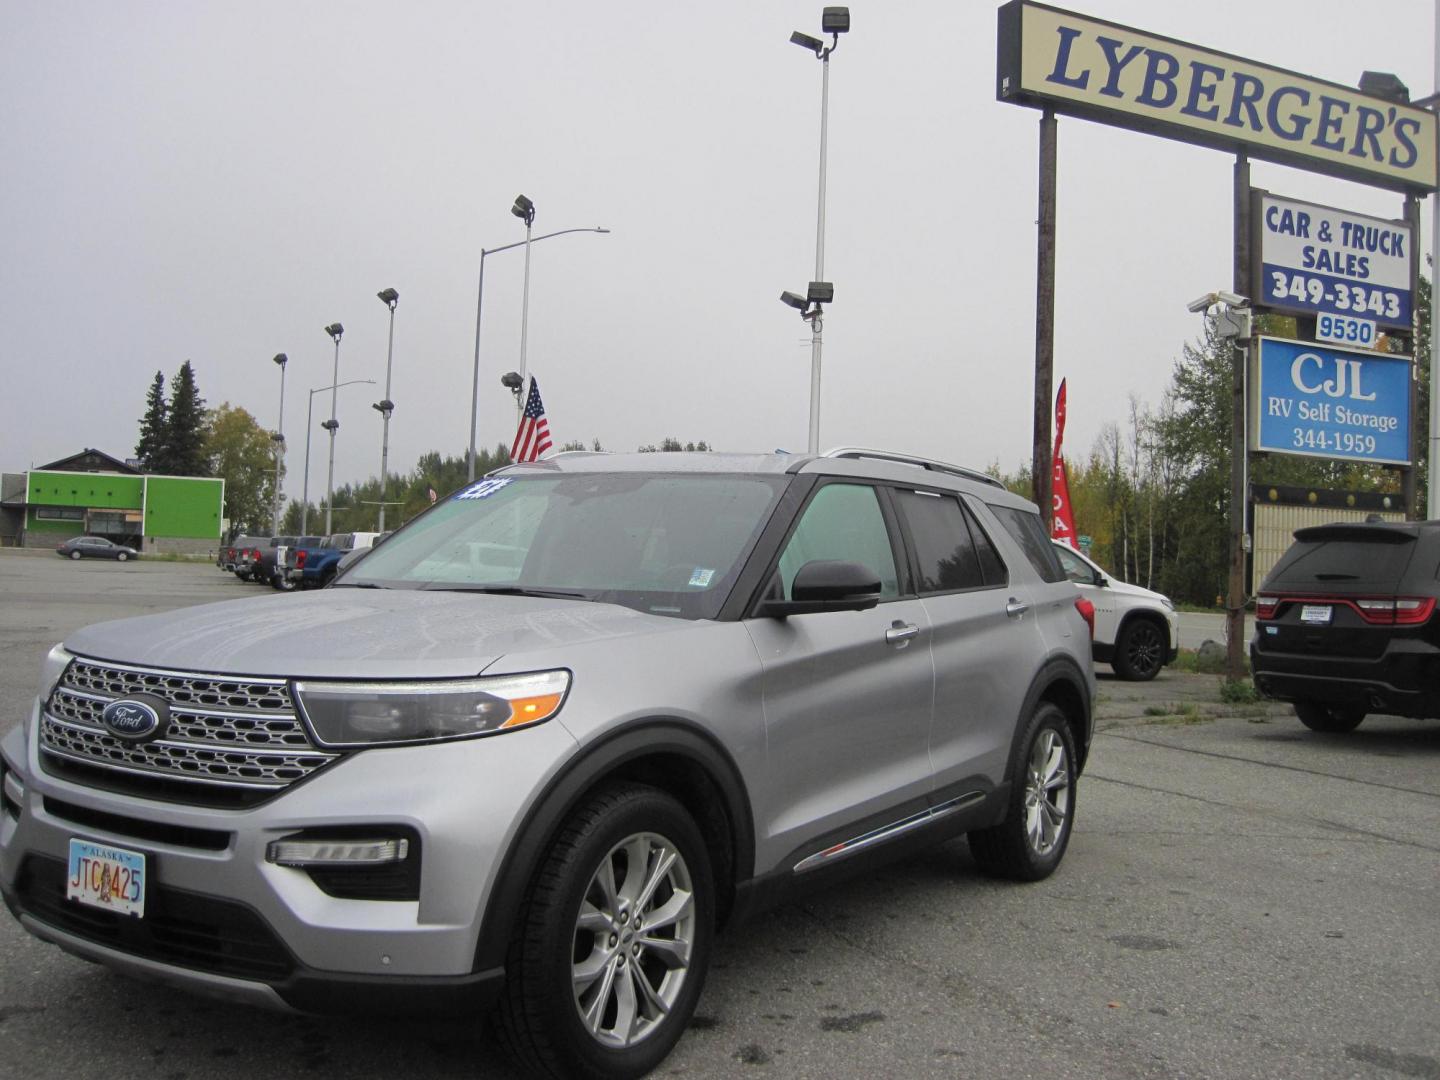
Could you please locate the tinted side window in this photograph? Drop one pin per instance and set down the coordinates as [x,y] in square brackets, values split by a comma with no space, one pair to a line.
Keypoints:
[943,545]
[1027,531]
[843,521]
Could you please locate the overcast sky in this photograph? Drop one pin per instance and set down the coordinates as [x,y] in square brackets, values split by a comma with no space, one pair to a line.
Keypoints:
[218,181]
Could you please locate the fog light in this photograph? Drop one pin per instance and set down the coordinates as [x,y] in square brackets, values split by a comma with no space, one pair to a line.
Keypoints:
[336,852]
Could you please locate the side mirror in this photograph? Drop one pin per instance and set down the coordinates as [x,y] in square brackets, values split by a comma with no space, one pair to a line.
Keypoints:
[827,585]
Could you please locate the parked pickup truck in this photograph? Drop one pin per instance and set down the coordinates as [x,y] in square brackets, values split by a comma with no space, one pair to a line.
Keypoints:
[313,565]
[269,568]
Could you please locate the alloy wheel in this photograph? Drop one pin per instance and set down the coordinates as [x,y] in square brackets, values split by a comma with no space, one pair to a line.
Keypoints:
[633,940]
[1047,792]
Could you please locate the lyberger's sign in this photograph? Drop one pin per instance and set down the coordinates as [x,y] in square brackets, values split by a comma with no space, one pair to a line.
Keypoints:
[1116,75]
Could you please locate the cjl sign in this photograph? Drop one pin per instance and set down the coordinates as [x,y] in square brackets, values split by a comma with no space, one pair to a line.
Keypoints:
[1322,401]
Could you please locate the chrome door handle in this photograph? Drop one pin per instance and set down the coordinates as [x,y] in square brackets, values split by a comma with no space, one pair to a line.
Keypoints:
[1016,608]
[899,633]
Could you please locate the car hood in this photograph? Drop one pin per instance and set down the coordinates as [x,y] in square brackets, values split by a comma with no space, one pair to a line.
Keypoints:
[1124,588]
[358,633]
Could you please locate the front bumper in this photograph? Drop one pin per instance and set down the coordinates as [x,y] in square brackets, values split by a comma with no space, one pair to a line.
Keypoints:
[226,921]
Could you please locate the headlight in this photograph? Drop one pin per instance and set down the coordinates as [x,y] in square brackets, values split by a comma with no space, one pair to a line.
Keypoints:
[367,713]
[51,670]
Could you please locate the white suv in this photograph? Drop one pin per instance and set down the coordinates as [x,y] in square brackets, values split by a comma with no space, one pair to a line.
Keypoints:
[1136,630]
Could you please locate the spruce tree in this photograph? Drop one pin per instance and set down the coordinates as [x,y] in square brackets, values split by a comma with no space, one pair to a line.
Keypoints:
[151,447]
[185,427]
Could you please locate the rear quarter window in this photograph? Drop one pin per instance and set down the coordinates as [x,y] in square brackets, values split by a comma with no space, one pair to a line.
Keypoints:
[1027,531]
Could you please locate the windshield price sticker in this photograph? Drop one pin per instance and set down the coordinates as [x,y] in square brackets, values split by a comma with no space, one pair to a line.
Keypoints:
[1343,330]
[1322,401]
[1316,259]
[1315,613]
[106,877]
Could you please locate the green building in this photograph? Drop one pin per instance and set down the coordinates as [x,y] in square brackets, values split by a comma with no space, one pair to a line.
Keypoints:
[94,494]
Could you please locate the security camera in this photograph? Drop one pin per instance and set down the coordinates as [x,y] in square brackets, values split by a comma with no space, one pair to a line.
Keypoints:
[1232,299]
[1209,300]
[799,303]
[1202,303]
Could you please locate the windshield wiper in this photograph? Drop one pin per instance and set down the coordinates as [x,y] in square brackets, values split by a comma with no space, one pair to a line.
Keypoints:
[511,590]
[358,585]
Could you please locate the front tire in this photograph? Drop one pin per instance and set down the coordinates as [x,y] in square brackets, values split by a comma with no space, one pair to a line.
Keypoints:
[1331,719]
[610,952]
[122,556]
[1140,650]
[1029,844]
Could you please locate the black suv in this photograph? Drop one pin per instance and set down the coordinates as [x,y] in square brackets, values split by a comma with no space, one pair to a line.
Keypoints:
[1345,626]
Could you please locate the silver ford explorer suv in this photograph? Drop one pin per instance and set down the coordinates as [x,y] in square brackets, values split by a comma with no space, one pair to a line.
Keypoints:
[531,753]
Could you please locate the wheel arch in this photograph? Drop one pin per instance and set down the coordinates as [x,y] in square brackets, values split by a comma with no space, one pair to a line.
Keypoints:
[1059,682]
[1145,615]
[673,755]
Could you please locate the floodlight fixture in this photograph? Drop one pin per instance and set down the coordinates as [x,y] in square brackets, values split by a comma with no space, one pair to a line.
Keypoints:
[512,381]
[385,407]
[281,359]
[1383,84]
[820,292]
[835,20]
[524,209]
[799,303]
[805,41]
[389,297]
[335,330]
[330,425]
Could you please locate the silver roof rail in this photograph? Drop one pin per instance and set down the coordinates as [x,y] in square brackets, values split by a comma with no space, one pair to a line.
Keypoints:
[911,459]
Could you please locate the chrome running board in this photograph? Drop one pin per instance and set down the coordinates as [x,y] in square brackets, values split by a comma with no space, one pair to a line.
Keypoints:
[887,832]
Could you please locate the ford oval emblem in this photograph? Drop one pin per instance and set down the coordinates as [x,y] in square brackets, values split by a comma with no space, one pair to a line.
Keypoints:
[136,719]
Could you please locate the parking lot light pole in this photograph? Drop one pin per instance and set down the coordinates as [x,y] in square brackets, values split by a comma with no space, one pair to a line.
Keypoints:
[524,209]
[385,406]
[479,307]
[305,497]
[833,21]
[332,425]
[279,440]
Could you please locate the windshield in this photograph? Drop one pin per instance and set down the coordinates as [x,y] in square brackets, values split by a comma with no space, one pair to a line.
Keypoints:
[665,544]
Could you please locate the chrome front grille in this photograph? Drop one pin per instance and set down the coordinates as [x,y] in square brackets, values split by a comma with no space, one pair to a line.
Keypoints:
[241,732]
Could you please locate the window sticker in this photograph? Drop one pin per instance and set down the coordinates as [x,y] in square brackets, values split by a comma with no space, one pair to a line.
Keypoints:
[485,488]
[701,577]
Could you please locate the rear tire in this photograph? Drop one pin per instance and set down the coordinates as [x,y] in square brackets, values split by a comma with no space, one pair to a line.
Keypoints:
[610,951]
[1331,719]
[283,582]
[1140,650]
[1029,844]
[75,554]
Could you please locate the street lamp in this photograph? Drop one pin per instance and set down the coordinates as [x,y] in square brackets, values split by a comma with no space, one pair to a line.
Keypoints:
[332,425]
[479,303]
[524,209]
[389,297]
[833,21]
[305,497]
[278,438]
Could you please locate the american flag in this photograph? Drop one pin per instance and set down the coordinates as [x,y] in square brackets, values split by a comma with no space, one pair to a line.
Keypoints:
[533,437]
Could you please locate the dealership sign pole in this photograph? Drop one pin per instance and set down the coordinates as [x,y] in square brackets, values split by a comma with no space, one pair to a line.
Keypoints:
[1062,62]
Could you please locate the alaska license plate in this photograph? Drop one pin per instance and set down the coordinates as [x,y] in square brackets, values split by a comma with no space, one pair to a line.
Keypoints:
[1315,614]
[105,877]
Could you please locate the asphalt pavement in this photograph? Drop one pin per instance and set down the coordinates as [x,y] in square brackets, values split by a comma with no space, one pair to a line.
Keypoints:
[1241,898]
